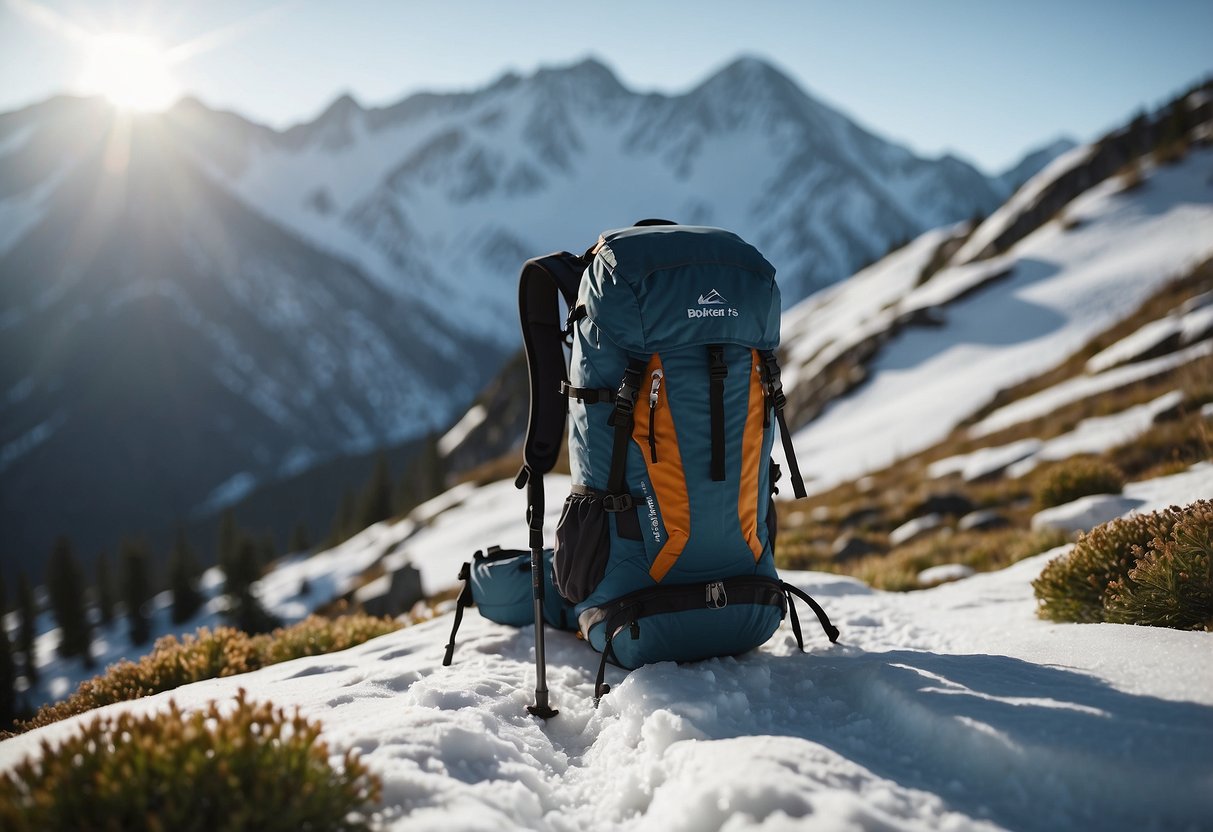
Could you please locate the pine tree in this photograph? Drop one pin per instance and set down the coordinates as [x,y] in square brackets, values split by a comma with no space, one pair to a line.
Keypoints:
[300,539]
[8,669]
[343,520]
[65,588]
[105,590]
[229,540]
[375,503]
[136,590]
[245,611]
[183,580]
[28,629]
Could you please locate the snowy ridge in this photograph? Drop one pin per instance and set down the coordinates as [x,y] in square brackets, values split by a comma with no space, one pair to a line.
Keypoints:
[995,323]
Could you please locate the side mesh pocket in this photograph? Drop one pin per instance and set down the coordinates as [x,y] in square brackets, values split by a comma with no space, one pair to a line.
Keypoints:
[583,544]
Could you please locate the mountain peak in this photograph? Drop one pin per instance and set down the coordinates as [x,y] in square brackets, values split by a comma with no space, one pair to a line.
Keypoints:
[344,106]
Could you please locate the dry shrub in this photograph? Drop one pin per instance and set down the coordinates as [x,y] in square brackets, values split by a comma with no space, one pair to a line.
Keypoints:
[211,654]
[1078,477]
[251,767]
[1172,583]
[1072,587]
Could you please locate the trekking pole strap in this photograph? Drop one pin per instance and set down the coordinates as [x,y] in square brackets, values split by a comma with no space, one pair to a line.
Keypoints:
[777,399]
[830,630]
[464,601]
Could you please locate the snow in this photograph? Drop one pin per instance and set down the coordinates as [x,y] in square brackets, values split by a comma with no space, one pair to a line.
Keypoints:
[1063,289]
[948,708]
[1185,328]
[984,462]
[1143,497]
[1020,201]
[1099,433]
[454,437]
[1082,387]
[915,528]
[935,575]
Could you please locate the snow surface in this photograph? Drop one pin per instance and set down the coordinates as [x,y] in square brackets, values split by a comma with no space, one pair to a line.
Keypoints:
[949,708]
[1186,328]
[1022,200]
[1093,435]
[1082,387]
[1065,286]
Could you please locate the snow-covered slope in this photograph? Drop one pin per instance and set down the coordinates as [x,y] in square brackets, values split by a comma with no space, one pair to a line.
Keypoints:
[950,708]
[994,322]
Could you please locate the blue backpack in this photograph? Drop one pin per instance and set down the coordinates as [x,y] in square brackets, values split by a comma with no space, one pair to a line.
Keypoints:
[665,547]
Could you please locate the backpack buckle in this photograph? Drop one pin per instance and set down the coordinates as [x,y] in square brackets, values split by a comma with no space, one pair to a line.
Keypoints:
[615,503]
[718,369]
[718,599]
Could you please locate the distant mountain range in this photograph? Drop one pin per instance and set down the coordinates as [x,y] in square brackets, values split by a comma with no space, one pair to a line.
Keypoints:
[193,305]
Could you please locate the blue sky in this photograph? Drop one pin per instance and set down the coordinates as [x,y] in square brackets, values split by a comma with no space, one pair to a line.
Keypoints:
[984,80]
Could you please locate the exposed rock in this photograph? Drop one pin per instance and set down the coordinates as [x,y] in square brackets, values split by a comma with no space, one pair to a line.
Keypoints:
[862,516]
[944,573]
[982,520]
[951,503]
[849,546]
[915,529]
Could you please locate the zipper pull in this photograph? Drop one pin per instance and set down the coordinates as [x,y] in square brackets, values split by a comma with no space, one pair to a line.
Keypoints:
[658,375]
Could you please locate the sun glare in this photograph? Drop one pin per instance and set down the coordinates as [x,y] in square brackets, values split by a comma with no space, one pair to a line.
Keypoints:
[132,71]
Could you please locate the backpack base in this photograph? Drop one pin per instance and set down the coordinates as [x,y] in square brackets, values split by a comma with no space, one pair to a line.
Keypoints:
[686,622]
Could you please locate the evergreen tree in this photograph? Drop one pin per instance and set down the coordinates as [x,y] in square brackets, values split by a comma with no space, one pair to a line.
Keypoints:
[244,609]
[136,590]
[375,504]
[65,588]
[183,580]
[105,590]
[28,629]
[229,540]
[343,520]
[300,539]
[8,669]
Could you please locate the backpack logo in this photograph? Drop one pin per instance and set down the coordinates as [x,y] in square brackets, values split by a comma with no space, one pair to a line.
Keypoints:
[716,307]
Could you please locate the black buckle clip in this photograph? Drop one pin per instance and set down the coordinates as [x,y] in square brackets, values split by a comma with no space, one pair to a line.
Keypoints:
[615,503]
[772,382]
[718,370]
[629,389]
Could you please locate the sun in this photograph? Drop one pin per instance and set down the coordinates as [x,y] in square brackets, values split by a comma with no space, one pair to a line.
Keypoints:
[133,71]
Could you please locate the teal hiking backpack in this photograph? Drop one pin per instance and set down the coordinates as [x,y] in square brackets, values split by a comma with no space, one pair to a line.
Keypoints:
[672,394]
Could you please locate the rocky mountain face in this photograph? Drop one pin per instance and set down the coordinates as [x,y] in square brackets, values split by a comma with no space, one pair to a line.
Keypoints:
[193,305]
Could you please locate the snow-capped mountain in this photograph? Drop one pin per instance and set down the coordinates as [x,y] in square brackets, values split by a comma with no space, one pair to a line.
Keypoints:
[196,304]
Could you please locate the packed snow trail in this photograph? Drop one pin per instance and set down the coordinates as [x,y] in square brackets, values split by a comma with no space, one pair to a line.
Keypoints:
[951,708]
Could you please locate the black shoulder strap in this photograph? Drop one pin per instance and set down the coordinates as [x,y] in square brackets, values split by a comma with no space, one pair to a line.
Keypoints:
[544,281]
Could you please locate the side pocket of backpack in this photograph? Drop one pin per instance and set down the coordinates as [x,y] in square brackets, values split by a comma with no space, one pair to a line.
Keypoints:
[583,546]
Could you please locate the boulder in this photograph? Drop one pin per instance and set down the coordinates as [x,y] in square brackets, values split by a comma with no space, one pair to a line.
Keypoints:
[849,546]
[981,520]
[915,529]
[954,504]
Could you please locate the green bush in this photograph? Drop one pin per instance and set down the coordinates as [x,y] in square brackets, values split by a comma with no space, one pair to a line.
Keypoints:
[208,655]
[248,768]
[1172,583]
[1076,478]
[1072,587]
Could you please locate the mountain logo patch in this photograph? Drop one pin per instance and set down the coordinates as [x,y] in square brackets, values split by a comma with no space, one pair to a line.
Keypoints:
[711,297]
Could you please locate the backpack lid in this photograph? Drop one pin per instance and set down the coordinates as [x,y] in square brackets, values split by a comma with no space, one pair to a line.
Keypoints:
[666,286]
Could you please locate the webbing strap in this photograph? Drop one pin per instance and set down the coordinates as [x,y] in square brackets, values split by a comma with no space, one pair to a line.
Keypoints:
[589,395]
[618,496]
[464,600]
[717,372]
[830,630]
[776,398]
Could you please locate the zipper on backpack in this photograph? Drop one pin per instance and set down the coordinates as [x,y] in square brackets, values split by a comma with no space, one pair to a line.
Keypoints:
[657,376]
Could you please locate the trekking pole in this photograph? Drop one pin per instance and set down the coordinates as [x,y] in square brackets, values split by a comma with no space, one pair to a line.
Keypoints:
[534,515]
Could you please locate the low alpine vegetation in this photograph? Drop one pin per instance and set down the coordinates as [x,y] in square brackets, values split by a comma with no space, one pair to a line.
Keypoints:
[211,654]
[1078,477]
[247,767]
[1151,569]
